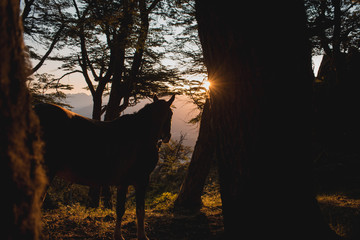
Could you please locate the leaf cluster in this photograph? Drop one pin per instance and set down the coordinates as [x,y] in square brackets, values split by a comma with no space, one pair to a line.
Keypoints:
[324,16]
[48,89]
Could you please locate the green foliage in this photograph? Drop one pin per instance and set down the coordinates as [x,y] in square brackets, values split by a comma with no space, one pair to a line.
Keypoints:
[164,202]
[62,192]
[168,175]
[329,29]
[45,88]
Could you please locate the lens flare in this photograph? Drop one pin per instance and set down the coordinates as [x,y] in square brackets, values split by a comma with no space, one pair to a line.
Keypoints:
[206,84]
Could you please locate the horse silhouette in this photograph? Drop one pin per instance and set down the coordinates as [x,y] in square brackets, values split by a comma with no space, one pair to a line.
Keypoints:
[122,152]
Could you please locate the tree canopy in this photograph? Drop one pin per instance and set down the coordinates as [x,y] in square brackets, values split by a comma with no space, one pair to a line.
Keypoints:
[119,47]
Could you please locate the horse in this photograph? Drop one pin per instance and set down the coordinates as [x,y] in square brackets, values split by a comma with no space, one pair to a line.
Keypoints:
[121,152]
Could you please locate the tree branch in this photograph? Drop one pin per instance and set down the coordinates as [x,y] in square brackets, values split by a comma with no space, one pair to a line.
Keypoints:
[125,104]
[46,55]
[86,76]
[152,6]
[27,9]
[68,73]
[84,61]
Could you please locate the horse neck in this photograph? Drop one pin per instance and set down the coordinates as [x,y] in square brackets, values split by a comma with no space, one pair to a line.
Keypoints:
[148,126]
[152,129]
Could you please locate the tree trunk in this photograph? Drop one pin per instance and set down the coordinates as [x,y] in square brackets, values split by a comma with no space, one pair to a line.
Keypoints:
[336,42]
[189,197]
[97,105]
[118,87]
[96,191]
[22,175]
[260,115]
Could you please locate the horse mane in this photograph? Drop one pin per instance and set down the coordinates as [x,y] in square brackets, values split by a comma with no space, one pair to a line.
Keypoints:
[144,111]
[139,115]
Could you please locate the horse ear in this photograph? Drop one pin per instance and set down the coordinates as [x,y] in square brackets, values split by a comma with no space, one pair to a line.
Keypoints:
[155,98]
[171,100]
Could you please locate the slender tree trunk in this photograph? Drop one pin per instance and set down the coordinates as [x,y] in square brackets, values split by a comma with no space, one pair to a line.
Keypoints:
[336,42]
[260,116]
[118,88]
[117,85]
[189,197]
[22,175]
[97,104]
[96,191]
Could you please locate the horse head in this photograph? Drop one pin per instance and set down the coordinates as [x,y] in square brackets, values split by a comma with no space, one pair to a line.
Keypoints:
[164,115]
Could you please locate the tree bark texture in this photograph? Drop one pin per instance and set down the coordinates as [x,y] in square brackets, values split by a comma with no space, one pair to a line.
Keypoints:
[260,103]
[22,175]
[189,197]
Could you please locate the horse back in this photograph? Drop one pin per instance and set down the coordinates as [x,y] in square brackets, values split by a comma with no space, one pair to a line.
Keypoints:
[86,151]
[69,139]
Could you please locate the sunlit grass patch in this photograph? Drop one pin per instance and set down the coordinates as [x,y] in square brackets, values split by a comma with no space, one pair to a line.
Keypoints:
[79,222]
[164,202]
[339,200]
[76,221]
[342,214]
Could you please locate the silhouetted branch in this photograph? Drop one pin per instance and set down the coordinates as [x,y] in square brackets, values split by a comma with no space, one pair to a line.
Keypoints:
[46,55]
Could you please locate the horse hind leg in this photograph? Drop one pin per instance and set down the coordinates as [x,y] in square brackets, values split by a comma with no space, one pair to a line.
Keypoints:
[120,210]
[140,211]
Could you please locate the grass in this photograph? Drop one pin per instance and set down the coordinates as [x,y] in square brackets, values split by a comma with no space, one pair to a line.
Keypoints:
[78,222]
[339,200]
[342,211]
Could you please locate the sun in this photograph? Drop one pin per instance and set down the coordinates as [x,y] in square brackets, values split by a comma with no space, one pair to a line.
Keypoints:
[206,84]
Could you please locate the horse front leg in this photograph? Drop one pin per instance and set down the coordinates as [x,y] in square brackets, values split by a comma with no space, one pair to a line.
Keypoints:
[120,210]
[140,189]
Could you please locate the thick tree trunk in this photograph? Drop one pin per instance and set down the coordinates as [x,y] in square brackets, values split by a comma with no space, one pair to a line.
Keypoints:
[260,115]
[22,175]
[189,197]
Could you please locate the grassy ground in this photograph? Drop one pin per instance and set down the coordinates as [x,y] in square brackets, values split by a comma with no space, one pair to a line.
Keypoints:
[78,222]
[338,197]
[67,218]
[342,211]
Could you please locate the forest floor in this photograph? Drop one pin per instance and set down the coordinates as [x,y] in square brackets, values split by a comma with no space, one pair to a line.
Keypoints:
[341,210]
[340,206]
[162,223]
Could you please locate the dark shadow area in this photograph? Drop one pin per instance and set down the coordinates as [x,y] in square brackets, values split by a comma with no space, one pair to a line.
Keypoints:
[191,227]
[336,142]
[343,215]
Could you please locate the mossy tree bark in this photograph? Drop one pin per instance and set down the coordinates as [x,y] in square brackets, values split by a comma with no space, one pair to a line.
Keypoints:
[22,175]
